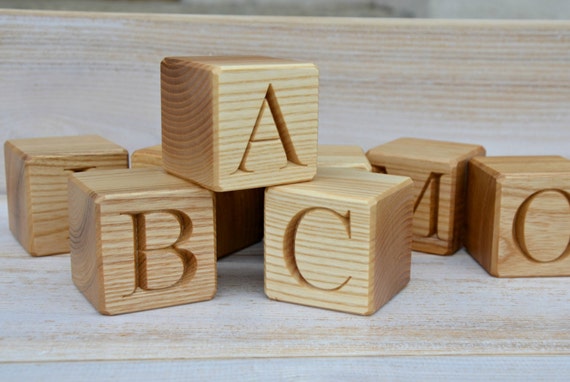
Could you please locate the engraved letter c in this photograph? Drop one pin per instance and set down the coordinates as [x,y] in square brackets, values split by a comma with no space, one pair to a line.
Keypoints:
[289,245]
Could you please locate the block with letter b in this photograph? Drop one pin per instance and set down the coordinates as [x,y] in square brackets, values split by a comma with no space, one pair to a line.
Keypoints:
[36,180]
[439,171]
[232,123]
[141,239]
[518,215]
[341,241]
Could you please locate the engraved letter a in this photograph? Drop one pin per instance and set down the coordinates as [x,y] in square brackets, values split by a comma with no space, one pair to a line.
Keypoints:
[270,146]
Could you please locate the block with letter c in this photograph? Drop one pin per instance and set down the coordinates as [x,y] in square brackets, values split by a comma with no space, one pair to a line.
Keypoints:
[340,242]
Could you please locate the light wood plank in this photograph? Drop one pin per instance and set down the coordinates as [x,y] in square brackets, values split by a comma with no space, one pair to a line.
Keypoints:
[495,83]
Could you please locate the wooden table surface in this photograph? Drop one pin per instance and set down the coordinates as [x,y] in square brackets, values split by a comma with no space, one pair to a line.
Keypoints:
[452,320]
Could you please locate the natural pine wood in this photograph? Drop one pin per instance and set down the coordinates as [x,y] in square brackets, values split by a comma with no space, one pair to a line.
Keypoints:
[141,239]
[232,123]
[239,214]
[438,170]
[341,241]
[36,179]
[342,156]
[147,157]
[519,215]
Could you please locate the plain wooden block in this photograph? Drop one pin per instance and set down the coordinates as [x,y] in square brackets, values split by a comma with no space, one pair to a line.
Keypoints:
[343,156]
[232,123]
[239,214]
[518,215]
[141,239]
[36,185]
[439,171]
[341,241]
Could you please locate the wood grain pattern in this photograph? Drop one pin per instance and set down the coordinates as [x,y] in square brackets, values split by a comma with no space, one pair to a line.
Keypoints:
[519,215]
[483,81]
[141,239]
[344,156]
[239,122]
[36,177]
[239,214]
[439,172]
[341,241]
[436,326]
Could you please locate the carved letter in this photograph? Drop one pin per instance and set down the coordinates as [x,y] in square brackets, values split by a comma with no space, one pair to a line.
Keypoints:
[541,227]
[269,144]
[289,245]
[143,250]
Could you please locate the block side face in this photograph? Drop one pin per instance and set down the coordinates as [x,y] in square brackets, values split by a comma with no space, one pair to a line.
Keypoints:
[481,215]
[534,231]
[188,98]
[18,195]
[392,246]
[267,126]
[83,241]
[317,251]
[157,249]
[239,219]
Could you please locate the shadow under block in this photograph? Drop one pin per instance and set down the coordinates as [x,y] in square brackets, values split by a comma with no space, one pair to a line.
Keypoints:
[439,172]
[341,241]
[518,215]
[141,239]
[36,182]
[342,156]
[239,214]
[232,123]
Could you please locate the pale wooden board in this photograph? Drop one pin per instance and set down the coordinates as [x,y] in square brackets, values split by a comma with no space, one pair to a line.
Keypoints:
[361,369]
[452,309]
[503,84]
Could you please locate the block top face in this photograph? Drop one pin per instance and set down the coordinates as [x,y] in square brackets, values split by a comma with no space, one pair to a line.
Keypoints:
[348,184]
[425,150]
[76,146]
[128,183]
[509,166]
[231,63]
[342,156]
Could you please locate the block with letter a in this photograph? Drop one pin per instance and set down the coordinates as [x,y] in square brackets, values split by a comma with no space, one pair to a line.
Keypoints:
[141,239]
[341,241]
[439,171]
[518,215]
[233,123]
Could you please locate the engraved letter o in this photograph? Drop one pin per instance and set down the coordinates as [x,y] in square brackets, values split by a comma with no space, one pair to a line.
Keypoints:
[519,227]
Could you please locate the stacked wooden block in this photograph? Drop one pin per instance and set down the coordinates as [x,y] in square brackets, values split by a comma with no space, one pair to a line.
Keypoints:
[239,161]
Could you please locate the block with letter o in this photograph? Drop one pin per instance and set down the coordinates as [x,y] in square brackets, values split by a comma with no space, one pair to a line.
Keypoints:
[518,212]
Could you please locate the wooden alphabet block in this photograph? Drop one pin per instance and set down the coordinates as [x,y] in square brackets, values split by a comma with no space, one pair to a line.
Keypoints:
[341,241]
[36,181]
[343,157]
[239,214]
[232,123]
[518,215]
[141,239]
[439,171]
